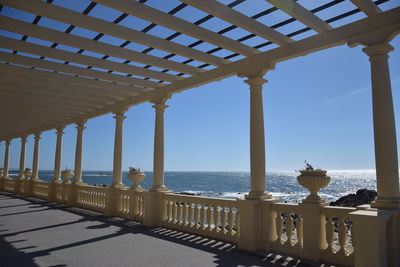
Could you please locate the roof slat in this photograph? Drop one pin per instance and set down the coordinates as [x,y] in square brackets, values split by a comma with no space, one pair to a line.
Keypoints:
[236,18]
[48,52]
[179,25]
[54,66]
[111,87]
[14,25]
[367,6]
[36,96]
[301,14]
[20,82]
[95,24]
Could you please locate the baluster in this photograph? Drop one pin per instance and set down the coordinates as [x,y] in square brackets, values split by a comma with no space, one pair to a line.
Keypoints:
[342,236]
[279,227]
[185,213]
[216,218]
[209,217]
[289,229]
[330,234]
[204,216]
[231,221]
[140,203]
[223,218]
[180,212]
[196,215]
[299,228]
[169,210]
[174,211]
[190,214]
[238,222]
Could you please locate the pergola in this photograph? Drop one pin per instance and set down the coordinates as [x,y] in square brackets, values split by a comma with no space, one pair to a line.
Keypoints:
[64,63]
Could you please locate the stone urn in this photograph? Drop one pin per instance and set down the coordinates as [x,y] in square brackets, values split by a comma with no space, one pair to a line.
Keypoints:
[67,174]
[27,173]
[313,180]
[1,172]
[136,176]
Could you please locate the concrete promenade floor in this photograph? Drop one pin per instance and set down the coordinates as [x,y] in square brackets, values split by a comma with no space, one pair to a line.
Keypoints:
[36,233]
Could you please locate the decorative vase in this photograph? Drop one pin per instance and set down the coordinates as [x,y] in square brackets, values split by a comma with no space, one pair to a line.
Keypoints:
[1,172]
[313,180]
[136,177]
[67,174]
[27,173]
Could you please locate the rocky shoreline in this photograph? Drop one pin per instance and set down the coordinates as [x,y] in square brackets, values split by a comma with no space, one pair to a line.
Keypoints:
[361,197]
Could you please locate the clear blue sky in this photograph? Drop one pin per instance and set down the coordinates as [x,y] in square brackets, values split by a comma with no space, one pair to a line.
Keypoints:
[316,107]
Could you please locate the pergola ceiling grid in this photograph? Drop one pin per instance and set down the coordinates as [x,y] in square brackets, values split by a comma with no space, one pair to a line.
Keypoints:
[103,67]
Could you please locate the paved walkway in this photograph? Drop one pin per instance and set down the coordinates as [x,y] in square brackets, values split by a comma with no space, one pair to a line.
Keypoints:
[36,233]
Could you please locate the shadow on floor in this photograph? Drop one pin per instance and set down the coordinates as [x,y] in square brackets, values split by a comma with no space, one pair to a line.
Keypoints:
[226,254]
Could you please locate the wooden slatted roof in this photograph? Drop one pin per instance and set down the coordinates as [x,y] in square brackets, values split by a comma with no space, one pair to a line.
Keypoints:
[64,61]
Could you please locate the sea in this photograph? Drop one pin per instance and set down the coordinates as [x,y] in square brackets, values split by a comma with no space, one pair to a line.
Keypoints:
[281,184]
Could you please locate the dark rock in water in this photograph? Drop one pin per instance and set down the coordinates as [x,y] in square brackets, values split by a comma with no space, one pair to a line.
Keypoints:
[362,196]
[187,193]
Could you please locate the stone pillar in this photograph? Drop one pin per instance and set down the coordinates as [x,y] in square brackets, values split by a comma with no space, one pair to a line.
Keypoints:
[257,143]
[22,159]
[387,176]
[117,164]
[35,161]
[6,158]
[57,160]
[369,238]
[158,161]
[78,153]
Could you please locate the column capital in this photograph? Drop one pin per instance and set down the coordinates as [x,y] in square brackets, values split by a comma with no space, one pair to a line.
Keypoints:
[80,125]
[23,139]
[8,142]
[256,81]
[60,130]
[37,136]
[160,106]
[380,49]
[119,113]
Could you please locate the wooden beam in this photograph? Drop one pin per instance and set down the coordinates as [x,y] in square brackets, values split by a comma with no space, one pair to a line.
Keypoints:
[84,91]
[128,90]
[55,66]
[367,6]
[56,102]
[158,17]
[59,54]
[28,29]
[302,14]
[98,25]
[236,18]
[26,92]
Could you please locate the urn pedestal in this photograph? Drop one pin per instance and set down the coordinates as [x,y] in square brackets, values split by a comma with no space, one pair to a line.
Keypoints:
[313,180]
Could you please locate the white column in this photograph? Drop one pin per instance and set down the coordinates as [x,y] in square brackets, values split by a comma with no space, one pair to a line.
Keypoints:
[387,176]
[22,158]
[80,126]
[35,161]
[6,158]
[117,165]
[57,159]
[158,161]
[257,143]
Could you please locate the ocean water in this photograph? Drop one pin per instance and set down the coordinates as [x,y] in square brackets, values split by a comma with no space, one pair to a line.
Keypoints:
[282,184]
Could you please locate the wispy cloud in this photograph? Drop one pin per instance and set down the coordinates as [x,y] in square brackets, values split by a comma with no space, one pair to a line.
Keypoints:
[351,96]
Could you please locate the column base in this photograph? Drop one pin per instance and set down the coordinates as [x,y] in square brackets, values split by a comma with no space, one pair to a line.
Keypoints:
[257,196]
[118,186]
[159,188]
[386,203]
[78,182]
[57,181]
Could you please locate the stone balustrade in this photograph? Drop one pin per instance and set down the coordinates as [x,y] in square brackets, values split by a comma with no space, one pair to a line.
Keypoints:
[213,217]
[284,227]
